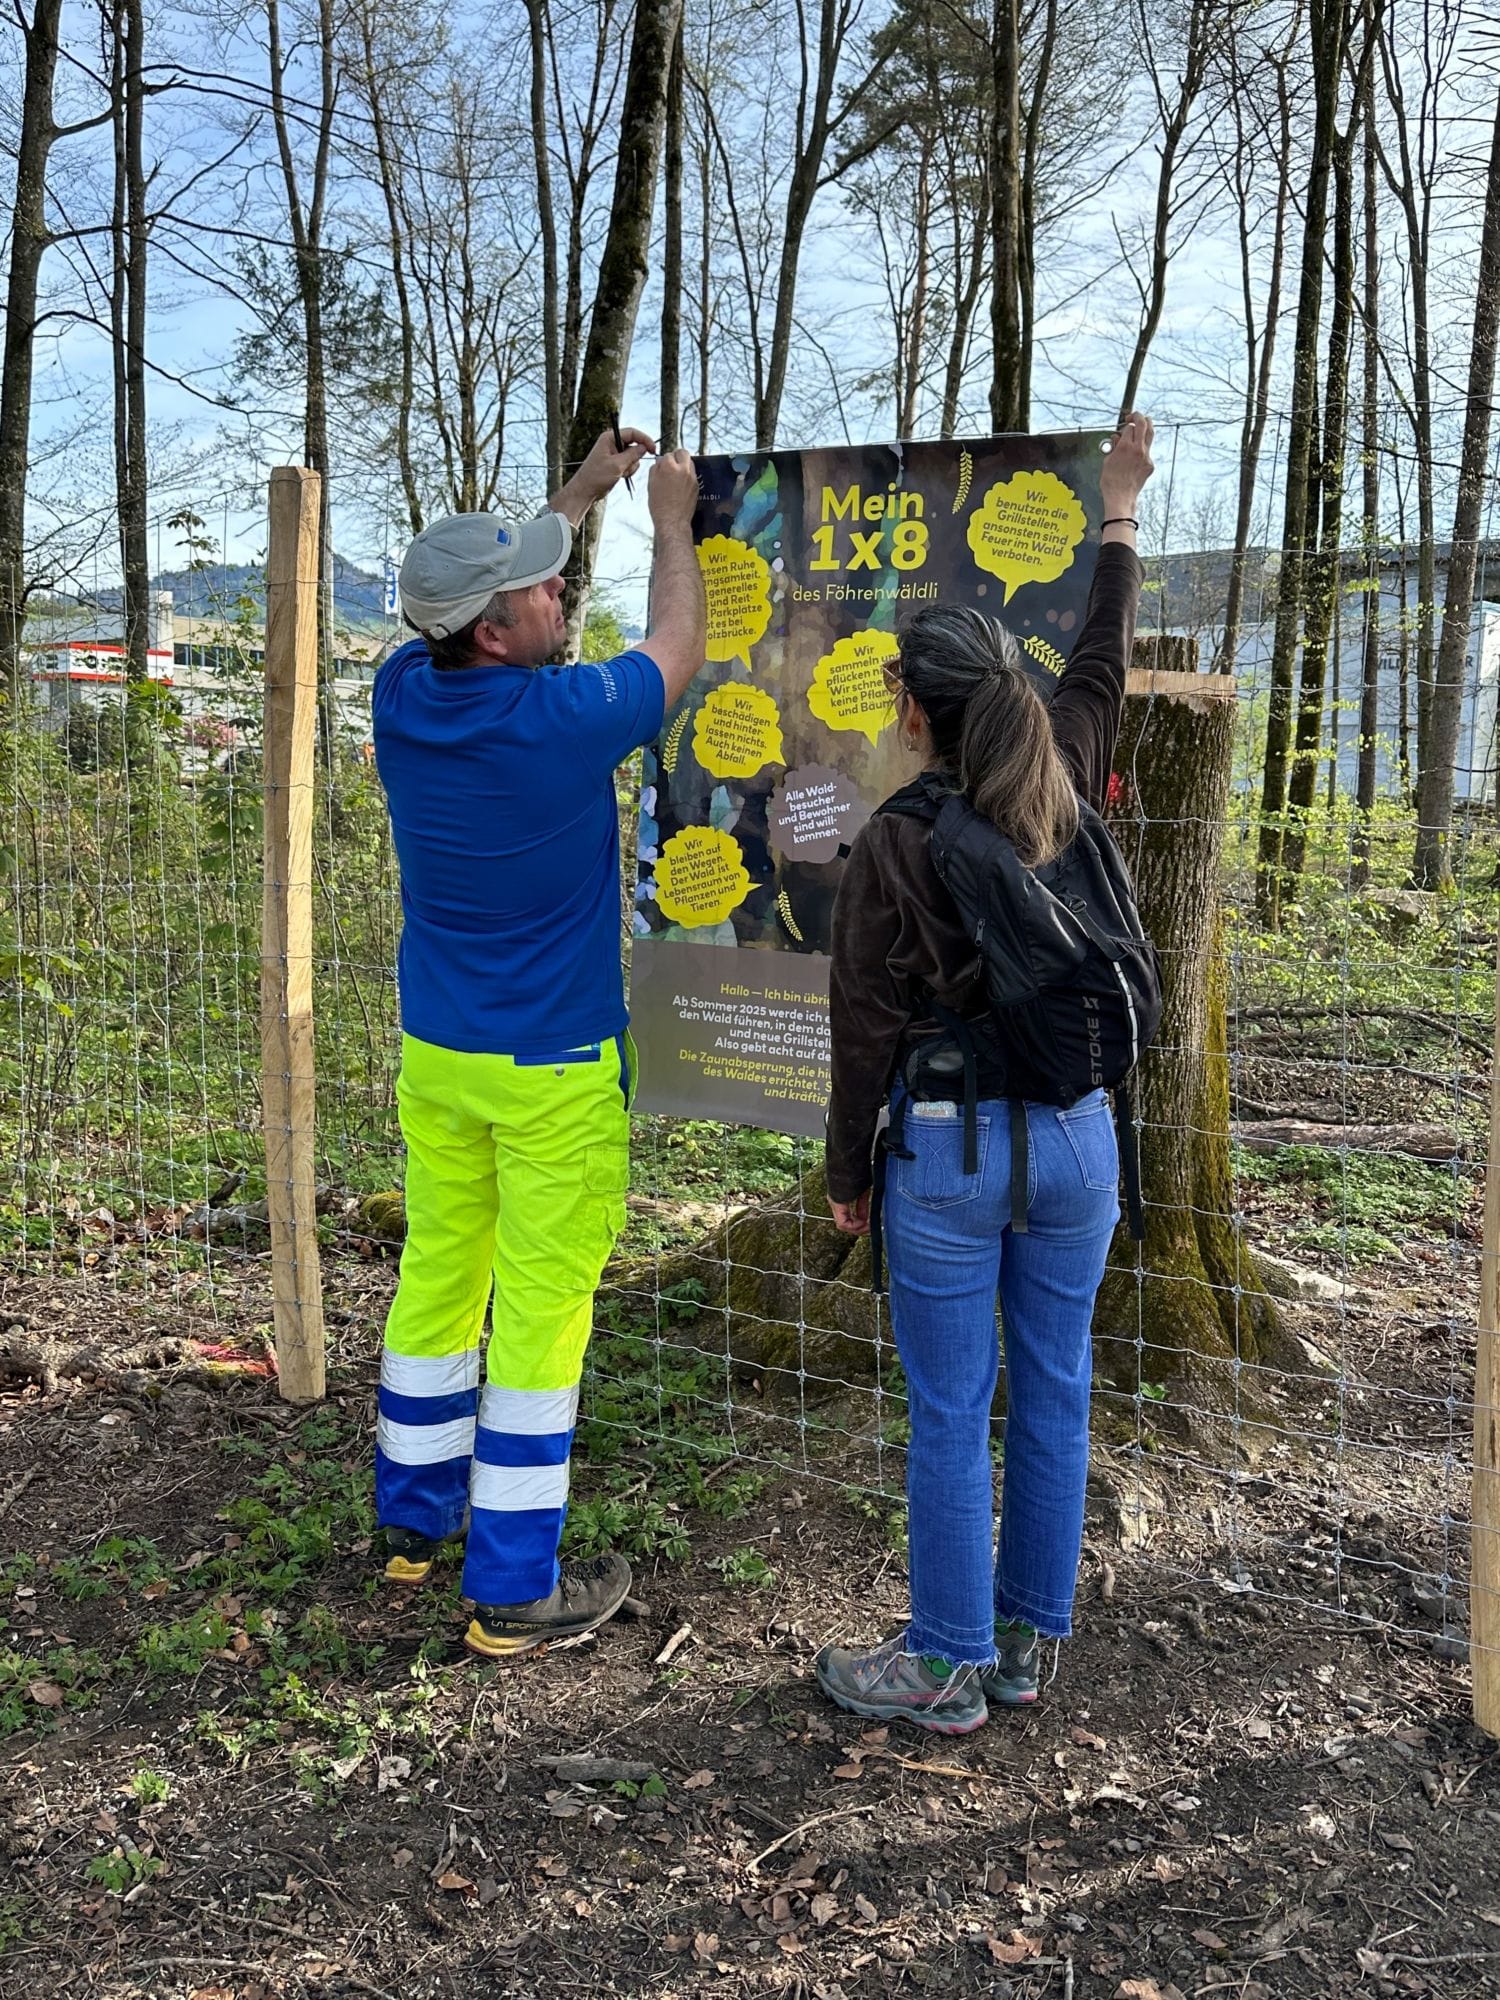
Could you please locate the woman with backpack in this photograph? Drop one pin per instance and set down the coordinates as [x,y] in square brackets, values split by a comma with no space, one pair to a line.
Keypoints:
[1001,1166]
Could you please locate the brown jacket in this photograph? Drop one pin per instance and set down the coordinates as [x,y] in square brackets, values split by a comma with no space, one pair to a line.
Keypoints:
[896,932]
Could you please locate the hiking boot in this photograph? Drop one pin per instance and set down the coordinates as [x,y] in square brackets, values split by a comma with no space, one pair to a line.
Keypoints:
[587,1594]
[1012,1680]
[889,1684]
[410,1556]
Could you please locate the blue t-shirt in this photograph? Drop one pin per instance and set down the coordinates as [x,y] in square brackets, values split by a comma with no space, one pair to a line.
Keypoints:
[500,782]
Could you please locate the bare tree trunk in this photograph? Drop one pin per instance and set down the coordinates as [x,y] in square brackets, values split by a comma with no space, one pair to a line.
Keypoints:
[1369,691]
[1260,350]
[579,134]
[622,268]
[114,26]
[387,168]
[1324,581]
[472,320]
[128,232]
[1335,700]
[1426,633]
[1412,184]
[1174,116]
[1432,863]
[1007,400]
[914,346]
[671,263]
[1327,23]
[815,126]
[705,291]
[1031,156]
[966,306]
[305,221]
[537,21]
[28,244]
[1403,646]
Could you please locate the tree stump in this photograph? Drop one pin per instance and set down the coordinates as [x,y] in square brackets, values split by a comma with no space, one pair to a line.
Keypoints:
[1187,1305]
[784,1294]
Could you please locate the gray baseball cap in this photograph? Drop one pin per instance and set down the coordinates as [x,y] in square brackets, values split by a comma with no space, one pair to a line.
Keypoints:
[452,569]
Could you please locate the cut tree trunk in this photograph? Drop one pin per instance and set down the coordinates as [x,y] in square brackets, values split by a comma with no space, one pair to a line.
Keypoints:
[1187,1304]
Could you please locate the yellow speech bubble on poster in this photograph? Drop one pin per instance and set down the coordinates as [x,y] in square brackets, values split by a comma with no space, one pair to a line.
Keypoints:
[849,689]
[700,877]
[1026,529]
[737,582]
[737,730]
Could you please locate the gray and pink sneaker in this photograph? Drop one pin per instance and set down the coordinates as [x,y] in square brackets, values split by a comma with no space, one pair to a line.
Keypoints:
[890,1684]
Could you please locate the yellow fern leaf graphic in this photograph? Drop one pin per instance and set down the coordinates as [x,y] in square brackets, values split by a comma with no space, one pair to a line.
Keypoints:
[673,744]
[965,474]
[1043,650]
[784,911]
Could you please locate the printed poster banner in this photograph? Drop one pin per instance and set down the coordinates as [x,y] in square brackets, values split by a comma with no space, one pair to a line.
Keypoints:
[786,742]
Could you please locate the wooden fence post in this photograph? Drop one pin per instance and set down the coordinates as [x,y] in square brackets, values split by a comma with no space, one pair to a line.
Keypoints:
[286,963]
[1484,1579]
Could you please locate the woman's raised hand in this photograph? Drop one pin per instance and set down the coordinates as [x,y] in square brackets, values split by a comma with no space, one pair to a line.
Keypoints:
[1127,465]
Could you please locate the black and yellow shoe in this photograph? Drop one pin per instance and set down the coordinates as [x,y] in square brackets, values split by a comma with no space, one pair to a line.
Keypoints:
[588,1594]
[410,1556]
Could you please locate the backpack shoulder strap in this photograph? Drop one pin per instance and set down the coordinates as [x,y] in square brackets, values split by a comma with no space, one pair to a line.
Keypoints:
[921,799]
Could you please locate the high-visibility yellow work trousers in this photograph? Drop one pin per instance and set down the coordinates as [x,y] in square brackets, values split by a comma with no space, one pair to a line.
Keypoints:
[515,1186]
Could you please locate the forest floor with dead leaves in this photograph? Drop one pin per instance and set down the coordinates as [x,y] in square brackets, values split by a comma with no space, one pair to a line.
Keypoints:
[239,1767]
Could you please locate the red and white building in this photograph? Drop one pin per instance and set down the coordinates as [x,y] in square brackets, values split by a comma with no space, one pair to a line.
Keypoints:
[92,654]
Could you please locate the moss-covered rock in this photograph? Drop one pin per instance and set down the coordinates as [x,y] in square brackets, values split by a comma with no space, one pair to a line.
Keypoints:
[382,1217]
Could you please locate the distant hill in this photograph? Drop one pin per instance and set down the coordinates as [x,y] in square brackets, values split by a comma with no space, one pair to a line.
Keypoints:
[358,594]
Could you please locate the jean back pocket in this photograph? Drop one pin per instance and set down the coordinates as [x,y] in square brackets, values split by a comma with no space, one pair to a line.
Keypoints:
[934,1177]
[1090,1131]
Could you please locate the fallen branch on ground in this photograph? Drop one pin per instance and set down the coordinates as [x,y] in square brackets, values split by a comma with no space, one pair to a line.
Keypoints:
[1437,1024]
[1418,1142]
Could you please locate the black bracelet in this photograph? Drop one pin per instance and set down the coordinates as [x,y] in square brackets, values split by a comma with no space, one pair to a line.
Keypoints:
[1121,521]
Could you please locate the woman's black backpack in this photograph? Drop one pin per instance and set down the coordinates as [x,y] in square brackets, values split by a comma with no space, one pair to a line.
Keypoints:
[1073,981]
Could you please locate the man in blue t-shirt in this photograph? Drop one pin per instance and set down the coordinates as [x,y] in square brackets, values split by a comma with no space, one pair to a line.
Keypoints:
[516,1069]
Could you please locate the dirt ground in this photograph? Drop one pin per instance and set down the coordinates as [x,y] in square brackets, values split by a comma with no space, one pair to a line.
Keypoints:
[239,1768]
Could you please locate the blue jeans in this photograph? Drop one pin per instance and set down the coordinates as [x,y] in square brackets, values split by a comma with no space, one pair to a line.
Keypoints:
[950,1247]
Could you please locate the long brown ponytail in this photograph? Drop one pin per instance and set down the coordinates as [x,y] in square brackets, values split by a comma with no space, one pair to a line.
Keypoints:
[990,727]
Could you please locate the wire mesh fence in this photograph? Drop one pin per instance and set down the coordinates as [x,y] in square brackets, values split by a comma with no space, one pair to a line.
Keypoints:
[1285,1388]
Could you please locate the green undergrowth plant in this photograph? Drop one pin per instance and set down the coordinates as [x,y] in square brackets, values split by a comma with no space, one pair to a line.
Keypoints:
[746,1569]
[124,1868]
[37,1685]
[149,1787]
[1357,1204]
[250,1598]
[654,1439]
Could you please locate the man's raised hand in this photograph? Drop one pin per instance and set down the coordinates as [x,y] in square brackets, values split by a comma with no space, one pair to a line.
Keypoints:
[604,468]
[672,490]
